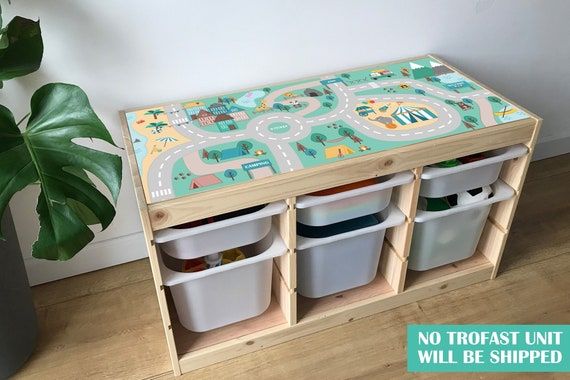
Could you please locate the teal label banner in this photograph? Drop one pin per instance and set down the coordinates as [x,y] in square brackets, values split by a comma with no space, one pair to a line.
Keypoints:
[489,348]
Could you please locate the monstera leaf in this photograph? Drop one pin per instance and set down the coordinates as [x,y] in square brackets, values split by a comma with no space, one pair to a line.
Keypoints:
[21,48]
[46,153]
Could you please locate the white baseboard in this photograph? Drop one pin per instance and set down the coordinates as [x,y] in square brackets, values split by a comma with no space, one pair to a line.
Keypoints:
[95,256]
[551,148]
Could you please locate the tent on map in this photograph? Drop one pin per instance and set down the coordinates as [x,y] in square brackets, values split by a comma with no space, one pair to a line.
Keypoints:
[408,115]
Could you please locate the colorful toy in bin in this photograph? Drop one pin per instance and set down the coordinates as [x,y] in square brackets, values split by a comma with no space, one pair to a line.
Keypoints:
[474,195]
[448,164]
[213,260]
[433,204]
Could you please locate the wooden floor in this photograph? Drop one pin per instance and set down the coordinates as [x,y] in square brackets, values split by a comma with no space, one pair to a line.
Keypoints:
[106,324]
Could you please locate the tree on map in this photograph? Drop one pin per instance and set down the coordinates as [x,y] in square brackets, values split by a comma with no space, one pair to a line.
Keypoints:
[156,127]
[245,145]
[267,90]
[468,125]
[280,107]
[419,91]
[345,75]
[154,113]
[214,155]
[436,79]
[450,102]
[494,99]
[467,100]
[347,132]
[311,152]
[327,104]
[330,97]
[326,91]
[319,137]
[301,147]
[230,173]
[471,119]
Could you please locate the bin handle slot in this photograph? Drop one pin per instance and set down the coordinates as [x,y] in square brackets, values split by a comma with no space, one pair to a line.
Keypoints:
[171,277]
[503,154]
[169,234]
[395,218]
[501,192]
[398,179]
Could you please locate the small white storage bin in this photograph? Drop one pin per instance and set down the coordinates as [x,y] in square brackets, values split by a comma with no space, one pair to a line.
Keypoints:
[344,261]
[323,210]
[443,237]
[225,294]
[190,243]
[440,182]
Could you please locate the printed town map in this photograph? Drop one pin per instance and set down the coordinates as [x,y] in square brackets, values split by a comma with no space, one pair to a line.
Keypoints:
[208,143]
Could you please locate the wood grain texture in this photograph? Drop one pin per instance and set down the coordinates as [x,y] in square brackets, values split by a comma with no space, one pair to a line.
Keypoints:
[114,330]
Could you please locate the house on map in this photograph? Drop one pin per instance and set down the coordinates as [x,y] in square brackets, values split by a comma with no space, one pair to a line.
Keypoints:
[232,153]
[420,72]
[204,117]
[218,108]
[439,68]
[337,151]
[192,108]
[237,113]
[408,115]
[204,181]
[225,123]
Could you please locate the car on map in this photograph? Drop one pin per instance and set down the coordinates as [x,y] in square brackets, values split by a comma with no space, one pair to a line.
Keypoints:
[382,73]
[464,106]
[364,111]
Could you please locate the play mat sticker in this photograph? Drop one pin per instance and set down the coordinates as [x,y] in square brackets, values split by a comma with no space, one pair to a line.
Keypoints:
[208,143]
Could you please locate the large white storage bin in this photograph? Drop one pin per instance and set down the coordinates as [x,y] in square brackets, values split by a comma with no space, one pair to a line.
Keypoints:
[226,294]
[440,182]
[323,210]
[344,261]
[443,237]
[215,237]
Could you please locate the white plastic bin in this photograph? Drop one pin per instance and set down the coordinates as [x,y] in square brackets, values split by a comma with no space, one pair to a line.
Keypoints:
[440,182]
[225,294]
[323,210]
[443,237]
[344,261]
[190,243]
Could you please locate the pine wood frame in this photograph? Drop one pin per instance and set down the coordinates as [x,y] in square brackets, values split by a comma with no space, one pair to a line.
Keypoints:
[290,315]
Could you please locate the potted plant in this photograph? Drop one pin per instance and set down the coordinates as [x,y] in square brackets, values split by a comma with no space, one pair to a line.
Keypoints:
[40,150]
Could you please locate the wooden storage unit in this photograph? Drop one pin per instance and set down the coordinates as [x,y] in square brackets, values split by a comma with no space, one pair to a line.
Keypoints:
[290,315]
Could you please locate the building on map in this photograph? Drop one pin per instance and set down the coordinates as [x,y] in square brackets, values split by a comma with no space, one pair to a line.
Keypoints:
[440,68]
[337,151]
[408,115]
[218,108]
[312,92]
[232,153]
[420,72]
[204,118]
[204,181]
[192,108]
[237,113]
[225,123]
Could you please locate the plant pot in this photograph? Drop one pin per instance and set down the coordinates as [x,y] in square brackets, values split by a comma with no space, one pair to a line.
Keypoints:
[18,324]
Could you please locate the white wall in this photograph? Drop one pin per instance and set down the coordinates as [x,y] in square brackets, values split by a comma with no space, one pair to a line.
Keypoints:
[135,52]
